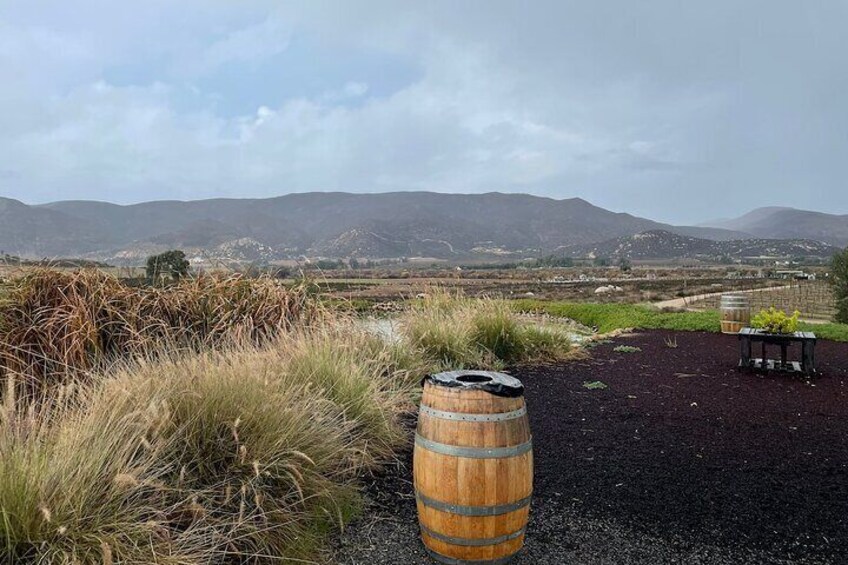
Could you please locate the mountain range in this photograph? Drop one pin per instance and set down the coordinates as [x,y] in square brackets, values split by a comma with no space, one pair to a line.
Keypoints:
[384,225]
[664,245]
[787,223]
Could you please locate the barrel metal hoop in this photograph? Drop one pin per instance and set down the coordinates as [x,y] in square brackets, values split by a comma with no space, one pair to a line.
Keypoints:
[473,511]
[463,417]
[474,452]
[472,542]
[453,561]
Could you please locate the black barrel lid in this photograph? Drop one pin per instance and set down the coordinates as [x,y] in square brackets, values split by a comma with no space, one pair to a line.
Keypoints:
[499,384]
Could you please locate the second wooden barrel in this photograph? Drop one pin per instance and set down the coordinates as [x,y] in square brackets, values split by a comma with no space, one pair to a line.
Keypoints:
[473,467]
[735,313]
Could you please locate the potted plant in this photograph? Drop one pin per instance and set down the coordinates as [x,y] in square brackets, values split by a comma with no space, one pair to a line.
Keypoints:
[774,321]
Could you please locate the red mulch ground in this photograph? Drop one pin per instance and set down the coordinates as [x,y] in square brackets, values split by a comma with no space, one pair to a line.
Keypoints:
[680,460]
[680,441]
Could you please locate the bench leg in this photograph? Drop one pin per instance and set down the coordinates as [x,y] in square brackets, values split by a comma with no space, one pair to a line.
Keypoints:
[765,358]
[808,357]
[744,353]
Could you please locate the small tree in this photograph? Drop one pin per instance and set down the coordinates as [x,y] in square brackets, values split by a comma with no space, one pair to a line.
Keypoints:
[171,264]
[839,280]
[283,272]
[329,264]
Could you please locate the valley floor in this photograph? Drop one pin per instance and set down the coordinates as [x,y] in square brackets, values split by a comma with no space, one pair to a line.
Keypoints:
[680,460]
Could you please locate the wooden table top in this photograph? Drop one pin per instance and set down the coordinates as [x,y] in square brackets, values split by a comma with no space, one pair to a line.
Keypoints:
[754,332]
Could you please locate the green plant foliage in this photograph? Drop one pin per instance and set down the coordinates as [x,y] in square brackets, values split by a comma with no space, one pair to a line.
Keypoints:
[609,317]
[455,332]
[776,321]
[834,332]
[171,264]
[594,385]
[839,280]
[498,331]
[626,349]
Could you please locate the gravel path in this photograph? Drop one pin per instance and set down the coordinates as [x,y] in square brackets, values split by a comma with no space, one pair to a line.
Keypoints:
[681,460]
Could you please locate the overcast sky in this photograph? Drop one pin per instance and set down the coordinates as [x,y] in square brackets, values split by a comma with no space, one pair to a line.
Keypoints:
[680,111]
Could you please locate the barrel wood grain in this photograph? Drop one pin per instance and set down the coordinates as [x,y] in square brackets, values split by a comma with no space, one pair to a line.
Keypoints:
[449,486]
[735,313]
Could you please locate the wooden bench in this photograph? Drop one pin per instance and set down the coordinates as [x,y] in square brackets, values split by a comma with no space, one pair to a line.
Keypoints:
[749,336]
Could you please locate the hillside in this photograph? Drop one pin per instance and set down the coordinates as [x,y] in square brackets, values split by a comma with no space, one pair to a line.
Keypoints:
[396,224]
[664,245]
[790,223]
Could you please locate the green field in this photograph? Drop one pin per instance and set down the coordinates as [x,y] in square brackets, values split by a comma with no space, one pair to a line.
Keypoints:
[609,317]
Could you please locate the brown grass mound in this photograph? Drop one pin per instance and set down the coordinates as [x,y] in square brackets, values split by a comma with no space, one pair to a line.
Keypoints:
[56,324]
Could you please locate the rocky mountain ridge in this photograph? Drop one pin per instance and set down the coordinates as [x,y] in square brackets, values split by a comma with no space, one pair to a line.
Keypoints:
[326,224]
[664,245]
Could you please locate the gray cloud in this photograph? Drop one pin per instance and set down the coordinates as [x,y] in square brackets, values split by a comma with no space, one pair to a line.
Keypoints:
[678,111]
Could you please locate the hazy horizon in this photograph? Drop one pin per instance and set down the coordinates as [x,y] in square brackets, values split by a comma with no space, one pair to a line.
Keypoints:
[681,113]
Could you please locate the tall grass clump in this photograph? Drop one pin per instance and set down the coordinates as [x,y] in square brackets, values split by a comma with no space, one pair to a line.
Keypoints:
[79,486]
[369,377]
[258,464]
[456,332]
[439,327]
[236,455]
[496,330]
[58,324]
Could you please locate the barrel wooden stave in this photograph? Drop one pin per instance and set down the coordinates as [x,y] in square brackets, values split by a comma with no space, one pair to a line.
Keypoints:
[735,313]
[491,553]
[473,483]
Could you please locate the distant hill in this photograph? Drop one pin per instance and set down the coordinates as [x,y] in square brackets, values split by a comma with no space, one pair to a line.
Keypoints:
[399,224]
[789,223]
[664,245]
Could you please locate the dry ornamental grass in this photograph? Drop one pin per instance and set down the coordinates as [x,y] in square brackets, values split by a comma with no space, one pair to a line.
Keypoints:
[217,420]
[58,324]
[238,455]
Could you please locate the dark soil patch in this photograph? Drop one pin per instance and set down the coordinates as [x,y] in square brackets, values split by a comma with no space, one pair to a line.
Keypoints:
[680,460]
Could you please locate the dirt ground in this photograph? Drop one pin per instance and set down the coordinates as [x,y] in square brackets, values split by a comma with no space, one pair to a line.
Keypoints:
[679,460]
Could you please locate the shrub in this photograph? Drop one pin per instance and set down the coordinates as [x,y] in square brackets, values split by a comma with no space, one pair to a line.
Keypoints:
[370,378]
[235,421]
[257,460]
[776,321]
[495,329]
[172,264]
[75,486]
[227,456]
[454,332]
[55,324]
[443,338]
[549,342]
[839,281]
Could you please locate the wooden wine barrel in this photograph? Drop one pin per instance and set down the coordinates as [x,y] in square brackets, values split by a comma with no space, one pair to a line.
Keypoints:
[735,313]
[473,467]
